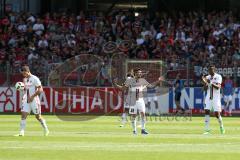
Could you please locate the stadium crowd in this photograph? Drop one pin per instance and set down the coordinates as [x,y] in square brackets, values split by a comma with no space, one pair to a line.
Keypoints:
[173,37]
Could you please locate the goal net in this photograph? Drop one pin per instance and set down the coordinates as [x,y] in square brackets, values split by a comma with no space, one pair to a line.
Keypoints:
[152,69]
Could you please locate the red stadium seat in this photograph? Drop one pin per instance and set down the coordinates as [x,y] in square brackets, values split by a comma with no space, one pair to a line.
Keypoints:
[15,78]
[3,78]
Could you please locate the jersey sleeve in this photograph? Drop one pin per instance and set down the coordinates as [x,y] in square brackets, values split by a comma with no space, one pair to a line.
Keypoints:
[219,79]
[128,82]
[145,83]
[37,82]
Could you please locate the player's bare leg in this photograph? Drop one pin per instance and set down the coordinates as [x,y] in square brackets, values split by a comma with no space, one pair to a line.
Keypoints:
[143,122]
[207,121]
[134,123]
[220,121]
[22,123]
[43,123]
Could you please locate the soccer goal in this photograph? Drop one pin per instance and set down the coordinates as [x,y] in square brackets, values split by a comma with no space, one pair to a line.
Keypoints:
[152,69]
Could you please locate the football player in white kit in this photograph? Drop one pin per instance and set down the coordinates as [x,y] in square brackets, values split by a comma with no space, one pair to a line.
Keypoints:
[127,99]
[30,100]
[137,86]
[212,83]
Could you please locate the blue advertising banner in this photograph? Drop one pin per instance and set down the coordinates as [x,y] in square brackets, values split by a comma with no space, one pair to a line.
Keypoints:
[193,98]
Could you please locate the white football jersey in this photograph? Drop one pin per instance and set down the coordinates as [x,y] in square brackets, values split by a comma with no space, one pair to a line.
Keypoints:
[213,93]
[127,94]
[31,83]
[137,87]
[130,97]
[141,87]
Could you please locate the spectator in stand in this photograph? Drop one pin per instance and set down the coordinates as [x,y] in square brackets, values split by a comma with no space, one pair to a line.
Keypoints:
[38,27]
[236,55]
[43,43]
[213,36]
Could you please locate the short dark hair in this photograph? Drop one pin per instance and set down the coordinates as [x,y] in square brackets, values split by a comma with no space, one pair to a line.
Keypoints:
[129,75]
[25,68]
[136,70]
[211,66]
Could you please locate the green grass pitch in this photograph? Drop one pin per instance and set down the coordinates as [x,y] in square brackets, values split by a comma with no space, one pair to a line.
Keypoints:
[103,139]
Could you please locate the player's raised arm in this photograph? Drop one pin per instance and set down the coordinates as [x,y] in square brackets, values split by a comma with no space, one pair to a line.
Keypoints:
[122,87]
[154,84]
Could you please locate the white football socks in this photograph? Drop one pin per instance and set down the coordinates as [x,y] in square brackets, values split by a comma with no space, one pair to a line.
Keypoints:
[134,124]
[124,118]
[207,122]
[220,121]
[43,123]
[22,126]
[143,123]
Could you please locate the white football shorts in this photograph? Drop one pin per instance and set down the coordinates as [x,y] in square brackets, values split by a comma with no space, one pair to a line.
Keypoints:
[33,106]
[214,104]
[138,107]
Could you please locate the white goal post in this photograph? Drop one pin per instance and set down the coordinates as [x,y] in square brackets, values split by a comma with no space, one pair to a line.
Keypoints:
[152,69]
